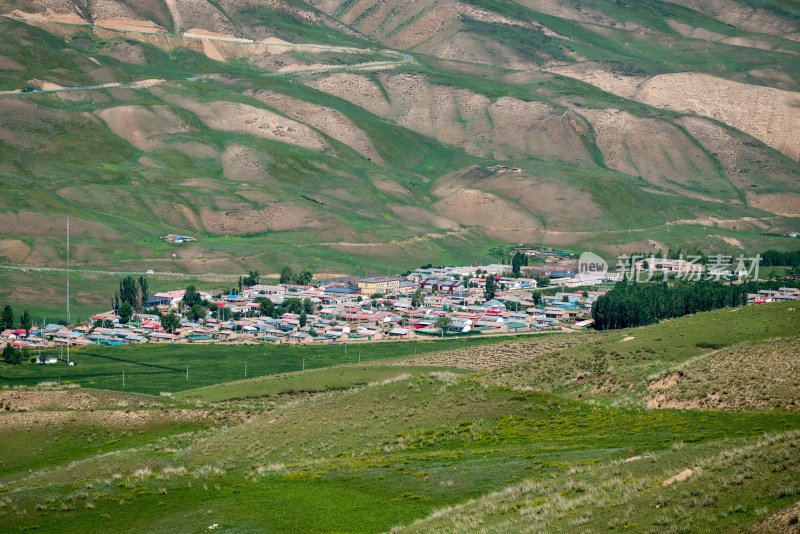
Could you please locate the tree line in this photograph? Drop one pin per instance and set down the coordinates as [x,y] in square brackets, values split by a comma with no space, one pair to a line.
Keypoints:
[7,319]
[631,304]
[773,258]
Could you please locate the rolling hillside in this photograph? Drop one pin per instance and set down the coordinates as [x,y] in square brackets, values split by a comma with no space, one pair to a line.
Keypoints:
[562,435]
[617,118]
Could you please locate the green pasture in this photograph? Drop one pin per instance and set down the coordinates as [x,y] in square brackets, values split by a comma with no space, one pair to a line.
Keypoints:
[156,368]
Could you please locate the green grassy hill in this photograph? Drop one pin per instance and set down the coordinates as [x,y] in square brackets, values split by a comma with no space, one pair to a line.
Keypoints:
[619,118]
[401,443]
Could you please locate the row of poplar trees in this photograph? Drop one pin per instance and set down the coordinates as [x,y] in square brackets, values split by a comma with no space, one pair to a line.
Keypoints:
[632,304]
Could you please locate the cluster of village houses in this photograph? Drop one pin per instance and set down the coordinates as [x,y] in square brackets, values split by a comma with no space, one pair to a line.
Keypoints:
[348,311]
[344,311]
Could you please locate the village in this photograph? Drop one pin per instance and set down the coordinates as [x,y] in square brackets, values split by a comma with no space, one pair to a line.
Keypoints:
[425,303]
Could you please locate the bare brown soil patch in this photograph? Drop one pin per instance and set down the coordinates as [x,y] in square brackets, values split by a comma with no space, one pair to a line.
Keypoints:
[737,154]
[10,421]
[390,187]
[680,477]
[55,12]
[747,376]
[278,216]
[237,117]
[14,250]
[40,224]
[743,16]
[732,241]
[145,128]
[539,129]
[354,88]
[787,204]
[768,114]
[6,63]
[329,121]
[568,10]
[783,522]
[665,382]
[242,164]
[558,203]
[258,196]
[128,24]
[125,51]
[198,14]
[493,357]
[451,115]
[206,183]
[655,150]
[417,214]
[779,79]
[13,400]
[661,401]
[472,207]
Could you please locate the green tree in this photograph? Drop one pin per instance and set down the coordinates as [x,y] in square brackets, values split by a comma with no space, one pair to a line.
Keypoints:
[490,289]
[8,353]
[287,274]
[308,305]
[143,292]
[251,279]
[191,297]
[303,278]
[7,318]
[517,262]
[303,319]
[292,305]
[108,323]
[537,297]
[542,281]
[498,252]
[25,321]
[266,307]
[132,291]
[197,312]
[170,322]
[125,312]
[442,323]
[17,357]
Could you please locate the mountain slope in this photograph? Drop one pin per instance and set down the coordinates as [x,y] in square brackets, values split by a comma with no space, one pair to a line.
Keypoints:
[615,117]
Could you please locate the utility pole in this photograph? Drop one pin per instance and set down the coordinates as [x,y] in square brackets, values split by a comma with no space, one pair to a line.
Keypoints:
[68,317]
[187,372]
[123,378]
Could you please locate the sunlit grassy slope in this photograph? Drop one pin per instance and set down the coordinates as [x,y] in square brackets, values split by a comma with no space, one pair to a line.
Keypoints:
[364,448]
